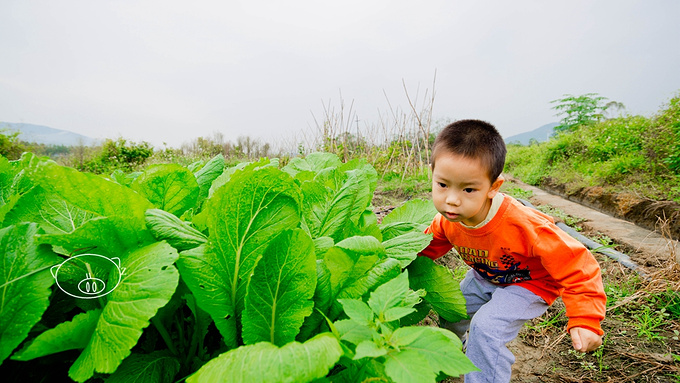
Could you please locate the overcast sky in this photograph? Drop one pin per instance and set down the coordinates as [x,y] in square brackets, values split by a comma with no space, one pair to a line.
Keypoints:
[170,71]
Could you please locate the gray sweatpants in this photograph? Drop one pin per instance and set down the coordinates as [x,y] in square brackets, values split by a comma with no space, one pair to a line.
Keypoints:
[497,314]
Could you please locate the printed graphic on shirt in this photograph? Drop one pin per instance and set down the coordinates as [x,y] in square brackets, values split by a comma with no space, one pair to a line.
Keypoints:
[471,256]
[510,272]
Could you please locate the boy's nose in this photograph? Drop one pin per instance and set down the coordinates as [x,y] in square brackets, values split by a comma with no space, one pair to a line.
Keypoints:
[452,199]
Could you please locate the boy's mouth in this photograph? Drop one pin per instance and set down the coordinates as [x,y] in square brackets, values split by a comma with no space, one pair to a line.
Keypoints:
[451,215]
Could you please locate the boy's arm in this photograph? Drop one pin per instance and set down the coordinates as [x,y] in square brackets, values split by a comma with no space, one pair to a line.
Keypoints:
[578,272]
[439,245]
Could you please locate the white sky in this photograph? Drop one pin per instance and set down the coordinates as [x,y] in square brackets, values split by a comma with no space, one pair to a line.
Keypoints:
[170,71]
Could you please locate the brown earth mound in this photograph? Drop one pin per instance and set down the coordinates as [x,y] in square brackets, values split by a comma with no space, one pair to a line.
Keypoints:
[641,211]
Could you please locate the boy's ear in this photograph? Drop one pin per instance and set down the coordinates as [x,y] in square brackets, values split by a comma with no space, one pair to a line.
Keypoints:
[496,186]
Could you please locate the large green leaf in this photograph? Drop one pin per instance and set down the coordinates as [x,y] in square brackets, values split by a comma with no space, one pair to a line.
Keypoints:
[207,174]
[8,195]
[443,290]
[281,290]
[71,335]
[323,298]
[346,267]
[313,162]
[264,362]
[157,367]
[169,187]
[244,216]
[384,270]
[354,273]
[415,211]
[24,284]
[405,248]
[395,229]
[148,283]
[347,206]
[440,347]
[315,198]
[168,227]
[362,245]
[68,200]
[409,367]
[225,176]
[394,294]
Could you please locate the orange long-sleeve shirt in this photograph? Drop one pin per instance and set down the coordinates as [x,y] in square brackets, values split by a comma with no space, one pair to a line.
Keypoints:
[523,246]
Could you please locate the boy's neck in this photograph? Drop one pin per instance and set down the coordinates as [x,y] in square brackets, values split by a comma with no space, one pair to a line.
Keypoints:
[494,205]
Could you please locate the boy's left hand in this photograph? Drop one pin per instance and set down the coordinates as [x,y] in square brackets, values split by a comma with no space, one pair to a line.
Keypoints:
[584,340]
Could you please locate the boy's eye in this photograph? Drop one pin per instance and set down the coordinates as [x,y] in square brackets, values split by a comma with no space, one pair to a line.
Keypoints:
[441,184]
[468,190]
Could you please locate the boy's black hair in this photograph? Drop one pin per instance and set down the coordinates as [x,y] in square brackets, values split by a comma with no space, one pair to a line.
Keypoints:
[473,139]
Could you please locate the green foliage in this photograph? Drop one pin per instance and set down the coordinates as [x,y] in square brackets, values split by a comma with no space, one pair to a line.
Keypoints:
[10,146]
[516,192]
[578,110]
[408,354]
[118,154]
[650,321]
[632,153]
[24,281]
[266,254]
[668,136]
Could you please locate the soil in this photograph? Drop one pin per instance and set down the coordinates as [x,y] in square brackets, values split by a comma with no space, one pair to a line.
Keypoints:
[642,327]
[629,206]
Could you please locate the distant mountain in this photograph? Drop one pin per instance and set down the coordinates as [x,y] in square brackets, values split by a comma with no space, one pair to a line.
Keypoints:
[540,134]
[45,135]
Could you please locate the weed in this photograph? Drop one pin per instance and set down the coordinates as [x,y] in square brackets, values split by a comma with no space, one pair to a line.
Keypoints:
[604,240]
[650,321]
[581,357]
[559,214]
[519,192]
[547,321]
[668,300]
[599,355]
[618,289]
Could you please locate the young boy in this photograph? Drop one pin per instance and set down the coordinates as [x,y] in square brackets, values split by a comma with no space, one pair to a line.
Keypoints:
[521,262]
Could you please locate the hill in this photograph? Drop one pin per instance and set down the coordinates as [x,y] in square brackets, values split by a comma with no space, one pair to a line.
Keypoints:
[46,135]
[540,134]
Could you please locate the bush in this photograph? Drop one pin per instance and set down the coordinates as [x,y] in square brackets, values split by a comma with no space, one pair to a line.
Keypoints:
[118,154]
[10,146]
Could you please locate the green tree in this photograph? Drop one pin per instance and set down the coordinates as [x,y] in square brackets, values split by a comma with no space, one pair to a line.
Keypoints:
[119,154]
[578,110]
[10,146]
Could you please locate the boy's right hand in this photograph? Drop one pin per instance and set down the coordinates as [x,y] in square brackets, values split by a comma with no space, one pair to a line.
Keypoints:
[584,340]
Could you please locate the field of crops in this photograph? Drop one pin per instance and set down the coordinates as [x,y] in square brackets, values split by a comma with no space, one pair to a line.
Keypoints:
[206,273]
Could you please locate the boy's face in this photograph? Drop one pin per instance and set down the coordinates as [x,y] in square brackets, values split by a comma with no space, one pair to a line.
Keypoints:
[461,190]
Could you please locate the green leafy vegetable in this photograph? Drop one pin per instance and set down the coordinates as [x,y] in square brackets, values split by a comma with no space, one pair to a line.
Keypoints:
[168,227]
[409,354]
[207,174]
[157,367]
[169,187]
[80,210]
[244,216]
[281,289]
[443,290]
[71,335]
[149,281]
[24,284]
[264,362]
